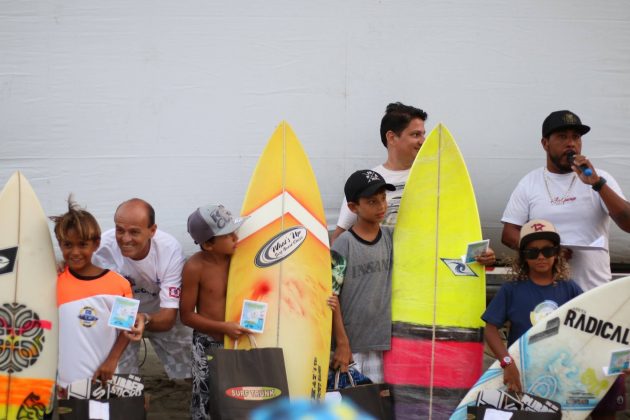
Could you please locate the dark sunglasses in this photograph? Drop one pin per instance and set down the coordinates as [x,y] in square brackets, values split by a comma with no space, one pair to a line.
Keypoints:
[532,253]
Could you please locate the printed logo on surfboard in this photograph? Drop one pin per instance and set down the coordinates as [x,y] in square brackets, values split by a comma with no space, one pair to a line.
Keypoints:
[7,260]
[22,337]
[580,319]
[280,246]
[458,268]
[32,407]
[253,393]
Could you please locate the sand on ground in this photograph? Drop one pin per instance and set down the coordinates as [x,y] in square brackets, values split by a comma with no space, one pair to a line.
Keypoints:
[168,400]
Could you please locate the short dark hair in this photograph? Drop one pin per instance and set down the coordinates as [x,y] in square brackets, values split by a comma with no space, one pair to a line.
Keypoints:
[147,206]
[211,240]
[397,117]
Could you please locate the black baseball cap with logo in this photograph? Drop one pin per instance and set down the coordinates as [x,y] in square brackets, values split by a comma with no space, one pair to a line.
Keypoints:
[561,120]
[364,183]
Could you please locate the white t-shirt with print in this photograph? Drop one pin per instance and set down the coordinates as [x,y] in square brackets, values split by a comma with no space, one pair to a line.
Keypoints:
[156,280]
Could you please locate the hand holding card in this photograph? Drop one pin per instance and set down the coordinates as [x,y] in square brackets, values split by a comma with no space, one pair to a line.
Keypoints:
[476,249]
[619,362]
[124,311]
[253,315]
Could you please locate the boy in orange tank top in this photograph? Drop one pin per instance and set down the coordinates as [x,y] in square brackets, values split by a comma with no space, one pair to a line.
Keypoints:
[88,346]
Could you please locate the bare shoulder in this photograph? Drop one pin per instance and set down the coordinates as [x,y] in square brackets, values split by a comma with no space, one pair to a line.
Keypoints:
[204,269]
[194,262]
[194,266]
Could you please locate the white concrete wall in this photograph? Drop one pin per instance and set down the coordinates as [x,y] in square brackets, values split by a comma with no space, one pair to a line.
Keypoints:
[174,101]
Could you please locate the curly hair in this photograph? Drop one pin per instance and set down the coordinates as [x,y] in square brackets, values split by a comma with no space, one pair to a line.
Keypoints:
[80,220]
[519,269]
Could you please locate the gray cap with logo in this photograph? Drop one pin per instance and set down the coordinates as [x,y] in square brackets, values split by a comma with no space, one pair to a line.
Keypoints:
[212,220]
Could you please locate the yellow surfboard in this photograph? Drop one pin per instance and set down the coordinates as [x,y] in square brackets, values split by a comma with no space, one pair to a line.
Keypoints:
[283,258]
[437,300]
[28,307]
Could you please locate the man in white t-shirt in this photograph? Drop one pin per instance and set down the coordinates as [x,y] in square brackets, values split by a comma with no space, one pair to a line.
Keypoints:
[578,204]
[402,134]
[152,261]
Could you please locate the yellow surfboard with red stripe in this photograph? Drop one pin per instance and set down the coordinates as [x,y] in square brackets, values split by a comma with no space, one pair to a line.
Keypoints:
[28,310]
[437,300]
[283,259]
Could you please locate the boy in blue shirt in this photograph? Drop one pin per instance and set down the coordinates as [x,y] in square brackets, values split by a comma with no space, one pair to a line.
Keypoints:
[540,285]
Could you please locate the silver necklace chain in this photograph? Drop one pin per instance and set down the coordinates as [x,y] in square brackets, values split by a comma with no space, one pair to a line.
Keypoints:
[557,201]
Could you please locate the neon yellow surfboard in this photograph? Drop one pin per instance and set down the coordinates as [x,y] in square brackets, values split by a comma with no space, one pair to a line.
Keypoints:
[283,258]
[437,300]
[28,307]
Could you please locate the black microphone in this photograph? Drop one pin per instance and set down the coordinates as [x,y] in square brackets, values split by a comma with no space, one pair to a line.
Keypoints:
[585,169]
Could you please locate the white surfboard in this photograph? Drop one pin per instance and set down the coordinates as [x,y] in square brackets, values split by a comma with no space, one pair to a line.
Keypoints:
[28,306]
[562,357]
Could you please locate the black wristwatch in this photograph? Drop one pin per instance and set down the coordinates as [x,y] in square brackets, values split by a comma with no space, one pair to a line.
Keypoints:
[599,184]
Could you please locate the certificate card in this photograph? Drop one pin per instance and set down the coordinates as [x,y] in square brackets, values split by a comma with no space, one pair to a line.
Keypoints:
[123,314]
[619,360]
[475,249]
[253,315]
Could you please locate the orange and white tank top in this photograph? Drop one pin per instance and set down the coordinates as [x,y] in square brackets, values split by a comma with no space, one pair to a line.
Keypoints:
[85,339]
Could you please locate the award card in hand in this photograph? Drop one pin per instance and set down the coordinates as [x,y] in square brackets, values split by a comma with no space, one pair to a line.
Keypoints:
[253,315]
[123,314]
[619,361]
[475,249]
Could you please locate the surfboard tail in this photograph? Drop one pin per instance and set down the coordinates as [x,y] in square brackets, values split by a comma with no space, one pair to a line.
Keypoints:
[432,369]
[446,357]
[413,402]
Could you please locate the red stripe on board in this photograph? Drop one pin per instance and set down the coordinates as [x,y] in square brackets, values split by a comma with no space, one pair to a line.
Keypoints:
[457,364]
[47,325]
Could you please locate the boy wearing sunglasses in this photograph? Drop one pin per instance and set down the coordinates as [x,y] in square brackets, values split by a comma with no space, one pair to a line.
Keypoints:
[540,285]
